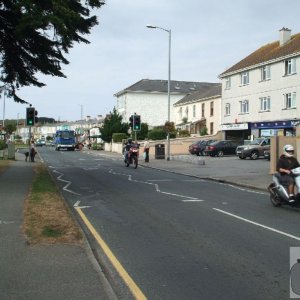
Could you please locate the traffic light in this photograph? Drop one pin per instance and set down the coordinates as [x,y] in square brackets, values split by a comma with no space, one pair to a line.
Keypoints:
[131,121]
[30,116]
[36,119]
[136,122]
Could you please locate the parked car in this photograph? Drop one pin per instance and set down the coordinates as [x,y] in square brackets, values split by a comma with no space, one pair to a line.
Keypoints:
[220,148]
[199,147]
[255,149]
[267,154]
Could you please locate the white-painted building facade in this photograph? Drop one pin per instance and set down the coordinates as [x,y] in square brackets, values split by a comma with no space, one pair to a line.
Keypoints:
[261,93]
[149,99]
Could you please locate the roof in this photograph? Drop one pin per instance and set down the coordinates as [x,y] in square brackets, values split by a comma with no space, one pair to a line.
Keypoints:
[161,86]
[267,53]
[212,91]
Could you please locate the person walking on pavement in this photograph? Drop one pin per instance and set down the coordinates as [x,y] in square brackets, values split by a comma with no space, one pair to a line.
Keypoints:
[32,151]
[146,150]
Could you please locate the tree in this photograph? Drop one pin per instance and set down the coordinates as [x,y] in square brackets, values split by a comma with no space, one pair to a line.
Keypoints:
[113,124]
[36,34]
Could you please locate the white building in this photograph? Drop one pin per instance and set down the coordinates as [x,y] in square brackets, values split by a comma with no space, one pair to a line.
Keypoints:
[261,93]
[200,110]
[149,99]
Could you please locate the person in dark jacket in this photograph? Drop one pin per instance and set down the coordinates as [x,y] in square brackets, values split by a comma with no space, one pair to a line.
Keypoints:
[285,164]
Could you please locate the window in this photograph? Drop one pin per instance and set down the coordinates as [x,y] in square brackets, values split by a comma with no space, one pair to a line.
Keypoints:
[245,78]
[227,109]
[194,111]
[211,109]
[202,110]
[244,106]
[265,73]
[265,104]
[211,128]
[180,113]
[187,112]
[289,100]
[228,83]
[290,66]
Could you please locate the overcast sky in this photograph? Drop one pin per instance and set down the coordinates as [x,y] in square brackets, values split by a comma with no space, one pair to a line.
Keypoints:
[207,38]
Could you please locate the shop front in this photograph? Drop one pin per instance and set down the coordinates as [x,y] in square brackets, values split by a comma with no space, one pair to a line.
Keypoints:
[276,128]
[236,131]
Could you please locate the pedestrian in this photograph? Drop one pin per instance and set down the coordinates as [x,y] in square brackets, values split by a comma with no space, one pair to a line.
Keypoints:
[146,150]
[32,151]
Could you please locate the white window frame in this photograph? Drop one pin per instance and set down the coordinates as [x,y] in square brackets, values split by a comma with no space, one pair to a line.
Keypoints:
[187,112]
[266,73]
[227,109]
[289,100]
[194,111]
[245,78]
[290,66]
[244,106]
[227,83]
[265,103]
[180,113]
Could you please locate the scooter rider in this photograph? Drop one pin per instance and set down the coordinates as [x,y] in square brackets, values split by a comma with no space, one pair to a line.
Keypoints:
[285,164]
[127,148]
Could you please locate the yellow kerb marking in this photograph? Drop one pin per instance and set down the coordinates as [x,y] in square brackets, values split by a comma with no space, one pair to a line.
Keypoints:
[137,293]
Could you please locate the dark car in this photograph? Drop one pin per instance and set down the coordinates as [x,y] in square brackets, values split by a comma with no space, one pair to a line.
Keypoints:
[220,148]
[199,147]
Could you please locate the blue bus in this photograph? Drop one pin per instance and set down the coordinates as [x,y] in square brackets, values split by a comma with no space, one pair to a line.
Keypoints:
[65,139]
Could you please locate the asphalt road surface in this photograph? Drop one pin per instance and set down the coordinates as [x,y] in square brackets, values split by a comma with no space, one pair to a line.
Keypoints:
[178,237]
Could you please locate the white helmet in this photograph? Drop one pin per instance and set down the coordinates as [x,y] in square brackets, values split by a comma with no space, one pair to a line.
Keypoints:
[288,150]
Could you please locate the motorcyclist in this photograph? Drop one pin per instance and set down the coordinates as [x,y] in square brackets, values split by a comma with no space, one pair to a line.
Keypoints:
[285,164]
[127,148]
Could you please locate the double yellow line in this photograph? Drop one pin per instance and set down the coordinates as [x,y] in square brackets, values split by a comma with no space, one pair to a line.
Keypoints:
[137,293]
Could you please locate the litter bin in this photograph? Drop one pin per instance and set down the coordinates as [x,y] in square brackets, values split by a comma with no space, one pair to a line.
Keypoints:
[159,151]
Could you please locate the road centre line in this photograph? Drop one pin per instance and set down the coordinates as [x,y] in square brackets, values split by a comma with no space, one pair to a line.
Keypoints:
[258,224]
[137,293]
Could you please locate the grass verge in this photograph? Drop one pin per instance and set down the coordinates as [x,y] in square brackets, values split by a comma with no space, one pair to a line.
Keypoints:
[47,218]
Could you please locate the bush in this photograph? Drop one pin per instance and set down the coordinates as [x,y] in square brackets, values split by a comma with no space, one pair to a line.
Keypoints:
[203,131]
[99,146]
[184,133]
[2,144]
[157,134]
[118,137]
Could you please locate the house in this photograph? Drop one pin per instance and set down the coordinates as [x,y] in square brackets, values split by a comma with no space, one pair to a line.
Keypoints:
[200,110]
[261,93]
[149,99]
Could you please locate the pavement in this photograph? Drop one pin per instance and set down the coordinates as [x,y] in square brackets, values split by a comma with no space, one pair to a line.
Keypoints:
[70,271]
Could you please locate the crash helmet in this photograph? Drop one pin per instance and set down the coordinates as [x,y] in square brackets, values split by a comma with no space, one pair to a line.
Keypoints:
[288,150]
[129,140]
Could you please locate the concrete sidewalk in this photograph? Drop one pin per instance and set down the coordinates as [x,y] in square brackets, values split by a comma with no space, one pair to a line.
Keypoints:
[44,271]
[254,174]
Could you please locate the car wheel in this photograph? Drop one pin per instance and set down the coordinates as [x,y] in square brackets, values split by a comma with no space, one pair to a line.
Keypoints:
[220,153]
[254,155]
[242,157]
[197,153]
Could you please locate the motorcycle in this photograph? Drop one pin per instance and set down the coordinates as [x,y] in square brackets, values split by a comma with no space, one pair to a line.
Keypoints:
[132,157]
[278,193]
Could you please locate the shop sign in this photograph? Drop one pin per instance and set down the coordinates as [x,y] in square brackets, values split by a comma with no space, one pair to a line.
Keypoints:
[234,126]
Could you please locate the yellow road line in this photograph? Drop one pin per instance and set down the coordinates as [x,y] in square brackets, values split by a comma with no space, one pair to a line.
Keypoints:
[137,293]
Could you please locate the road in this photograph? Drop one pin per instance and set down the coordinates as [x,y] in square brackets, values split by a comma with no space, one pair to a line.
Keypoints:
[179,237]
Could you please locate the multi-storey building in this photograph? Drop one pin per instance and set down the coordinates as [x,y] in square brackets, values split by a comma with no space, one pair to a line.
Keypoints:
[261,93]
[149,98]
[200,110]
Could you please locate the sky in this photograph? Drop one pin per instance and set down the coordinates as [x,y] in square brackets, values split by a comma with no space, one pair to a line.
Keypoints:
[207,37]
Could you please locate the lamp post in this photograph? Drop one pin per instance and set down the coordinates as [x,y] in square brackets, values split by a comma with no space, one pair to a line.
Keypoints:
[169,80]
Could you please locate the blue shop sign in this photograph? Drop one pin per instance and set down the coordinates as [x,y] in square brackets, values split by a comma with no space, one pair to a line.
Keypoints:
[275,125]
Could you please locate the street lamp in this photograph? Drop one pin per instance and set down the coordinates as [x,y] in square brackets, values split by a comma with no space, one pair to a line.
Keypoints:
[169,81]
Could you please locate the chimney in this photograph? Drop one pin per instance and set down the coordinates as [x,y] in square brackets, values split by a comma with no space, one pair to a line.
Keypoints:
[88,118]
[285,36]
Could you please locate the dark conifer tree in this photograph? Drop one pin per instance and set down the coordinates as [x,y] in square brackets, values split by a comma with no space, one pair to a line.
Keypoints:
[36,34]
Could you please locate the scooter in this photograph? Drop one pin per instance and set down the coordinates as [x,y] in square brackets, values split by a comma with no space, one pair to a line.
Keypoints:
[278,193]
[132,157]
